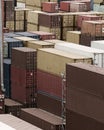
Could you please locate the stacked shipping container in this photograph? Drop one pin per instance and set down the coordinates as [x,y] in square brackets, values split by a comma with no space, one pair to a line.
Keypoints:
[50,66]
[84,99]
[23,76]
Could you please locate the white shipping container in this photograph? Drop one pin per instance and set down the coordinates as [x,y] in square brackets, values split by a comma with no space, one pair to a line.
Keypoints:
[96,54]
[98,44]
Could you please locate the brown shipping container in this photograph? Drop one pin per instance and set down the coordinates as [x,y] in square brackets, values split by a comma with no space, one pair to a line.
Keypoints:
[49,19]
[49,103]
[49,83]
[24,57]
[94,28]
[57,60]
[23,85]
[80,18]
[76,121]
[41,118]
[44,35]
[12,107]
[78,76]
[85,104]
[51,7]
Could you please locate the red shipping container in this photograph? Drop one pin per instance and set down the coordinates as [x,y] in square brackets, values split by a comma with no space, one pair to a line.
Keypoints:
[23,85]
[77,7]
[80,19]
[44,35]
[51,7]
[49,83]
[65,6]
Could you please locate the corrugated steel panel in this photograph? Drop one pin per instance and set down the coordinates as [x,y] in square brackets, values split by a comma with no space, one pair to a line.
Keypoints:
[49,103]
[23,81]
[76,121]
[49,19]
[84,103]
[24,57]
[89,78]
[49,83]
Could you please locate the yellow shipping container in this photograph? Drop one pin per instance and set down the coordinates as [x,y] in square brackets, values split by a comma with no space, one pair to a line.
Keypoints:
[73,36]
[32,27]
[39,44]
[54,61]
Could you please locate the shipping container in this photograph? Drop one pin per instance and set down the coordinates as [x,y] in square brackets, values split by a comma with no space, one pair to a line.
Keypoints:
[24,57]
[94,28]
[78,7]
[25,39]
[12,107]
[96,54]
[28,34]
[44,35]
[39,44]
[11,122]
[73,36]
[49,103]
[55,30]
[99,44]
[10,43]
[49,83]
[85,73]
[41,118]
[57,60]
[85,103]
[76,121]
[49,19]
[51,7]
[11,35]
[65,5]
[80,19]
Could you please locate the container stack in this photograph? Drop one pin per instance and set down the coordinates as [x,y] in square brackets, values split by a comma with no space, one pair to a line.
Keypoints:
[23,76]
[84,99]
[50,67]
[8,44]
